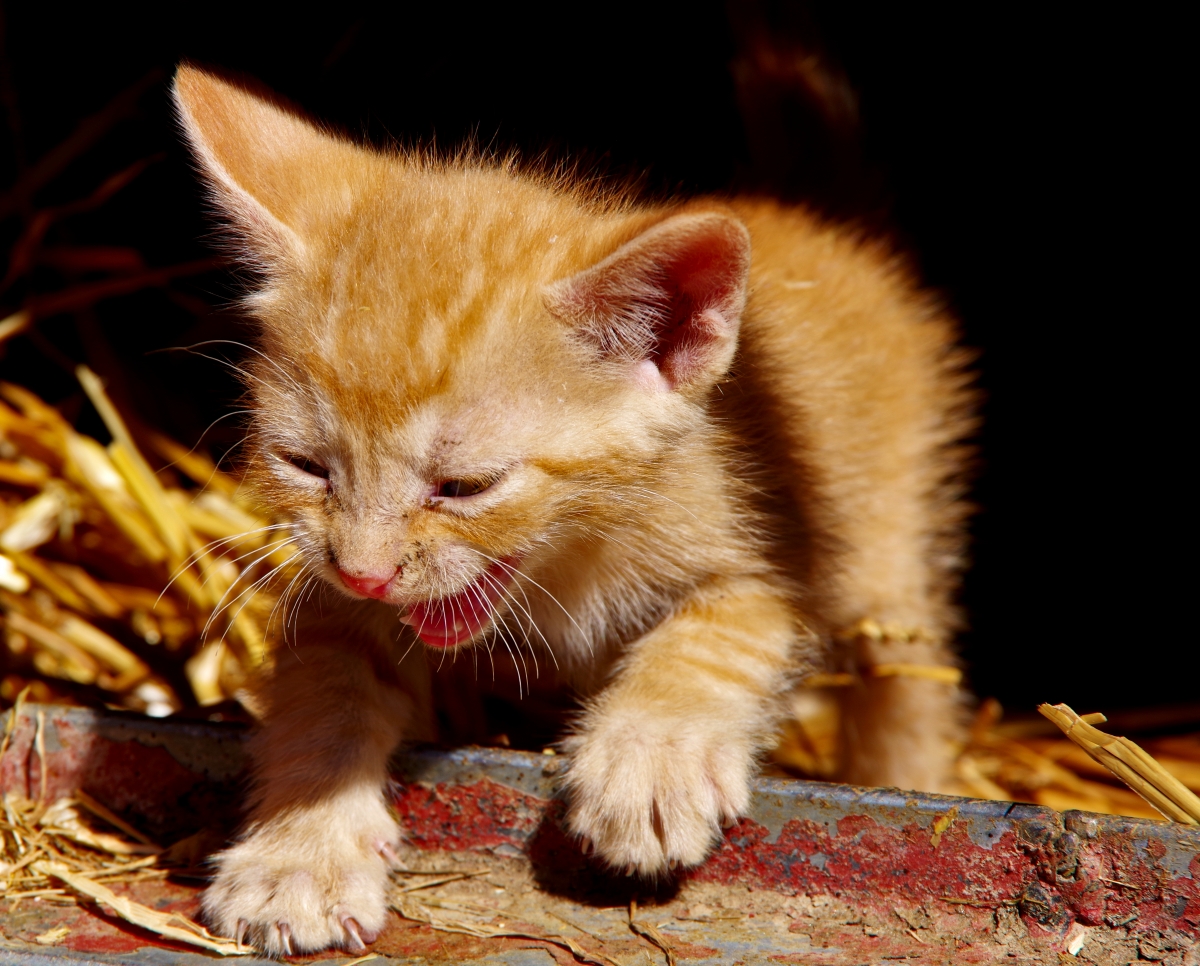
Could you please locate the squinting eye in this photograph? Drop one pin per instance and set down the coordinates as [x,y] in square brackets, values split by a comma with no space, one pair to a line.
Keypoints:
[307,465]
[449,488]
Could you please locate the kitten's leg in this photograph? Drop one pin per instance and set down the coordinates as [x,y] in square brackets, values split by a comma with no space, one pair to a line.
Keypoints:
[310,870]
[900,728]
[664,756]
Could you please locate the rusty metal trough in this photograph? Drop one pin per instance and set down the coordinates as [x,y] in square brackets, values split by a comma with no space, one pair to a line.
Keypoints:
[817,873]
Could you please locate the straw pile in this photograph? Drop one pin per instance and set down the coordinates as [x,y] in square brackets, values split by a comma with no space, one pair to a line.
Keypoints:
[142,590]
[56,854]
[1022,760]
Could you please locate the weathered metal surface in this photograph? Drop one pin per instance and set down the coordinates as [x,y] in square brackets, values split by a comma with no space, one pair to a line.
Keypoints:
[815,873]
[876,846]
[168,777]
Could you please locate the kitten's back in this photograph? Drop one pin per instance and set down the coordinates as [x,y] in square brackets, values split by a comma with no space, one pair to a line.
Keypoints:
[848,378]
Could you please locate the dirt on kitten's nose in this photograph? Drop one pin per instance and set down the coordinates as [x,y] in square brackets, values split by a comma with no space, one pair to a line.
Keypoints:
[368,584]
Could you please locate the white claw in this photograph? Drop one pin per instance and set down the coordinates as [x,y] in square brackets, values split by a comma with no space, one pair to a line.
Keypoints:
[285,937]
[355,940]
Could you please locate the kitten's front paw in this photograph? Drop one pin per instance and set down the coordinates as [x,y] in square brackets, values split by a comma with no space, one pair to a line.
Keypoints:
[650,794]
[307,879]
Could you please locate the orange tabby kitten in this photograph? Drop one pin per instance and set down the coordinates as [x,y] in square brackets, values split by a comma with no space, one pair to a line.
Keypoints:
[681,448]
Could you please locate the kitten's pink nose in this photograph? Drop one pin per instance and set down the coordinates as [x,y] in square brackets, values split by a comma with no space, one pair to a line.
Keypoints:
[369,585]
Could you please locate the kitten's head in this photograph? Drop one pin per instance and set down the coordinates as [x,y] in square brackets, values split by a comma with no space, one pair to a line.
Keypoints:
[461,368]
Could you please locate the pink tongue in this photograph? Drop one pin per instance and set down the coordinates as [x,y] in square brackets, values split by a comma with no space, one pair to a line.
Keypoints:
[452,620]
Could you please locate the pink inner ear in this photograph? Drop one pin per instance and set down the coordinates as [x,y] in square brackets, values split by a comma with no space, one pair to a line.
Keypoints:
[711,268]
[693,346]
[707,278]
[671,298]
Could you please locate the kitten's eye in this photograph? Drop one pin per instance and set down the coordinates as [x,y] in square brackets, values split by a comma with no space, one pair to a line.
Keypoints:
[448,488]
[306,464]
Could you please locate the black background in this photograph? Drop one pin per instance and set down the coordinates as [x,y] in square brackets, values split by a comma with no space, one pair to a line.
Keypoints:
[1032,161]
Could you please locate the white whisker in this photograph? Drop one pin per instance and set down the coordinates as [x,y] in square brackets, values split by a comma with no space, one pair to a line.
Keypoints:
[518,574]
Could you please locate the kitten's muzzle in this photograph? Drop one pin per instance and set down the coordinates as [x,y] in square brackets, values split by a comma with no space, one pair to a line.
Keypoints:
[455,619]
[369,584]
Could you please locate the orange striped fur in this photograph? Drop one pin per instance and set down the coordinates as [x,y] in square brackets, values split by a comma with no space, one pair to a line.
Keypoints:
[671,453]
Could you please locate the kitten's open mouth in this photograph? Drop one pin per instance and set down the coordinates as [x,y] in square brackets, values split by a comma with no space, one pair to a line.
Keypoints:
[448,621]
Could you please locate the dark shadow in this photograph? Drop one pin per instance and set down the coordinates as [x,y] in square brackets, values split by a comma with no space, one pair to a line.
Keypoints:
[561,869]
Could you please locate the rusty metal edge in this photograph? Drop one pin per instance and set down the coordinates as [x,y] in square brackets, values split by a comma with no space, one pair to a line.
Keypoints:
[774,802]
[216,751]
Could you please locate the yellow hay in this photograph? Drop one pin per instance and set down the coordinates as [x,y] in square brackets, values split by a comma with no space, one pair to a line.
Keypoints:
[99,516]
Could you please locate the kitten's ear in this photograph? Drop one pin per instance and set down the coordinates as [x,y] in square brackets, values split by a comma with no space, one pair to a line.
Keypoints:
[668,303]
[261,160]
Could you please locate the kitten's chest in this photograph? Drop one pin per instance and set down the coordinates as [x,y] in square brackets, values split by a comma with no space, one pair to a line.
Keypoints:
[499,695]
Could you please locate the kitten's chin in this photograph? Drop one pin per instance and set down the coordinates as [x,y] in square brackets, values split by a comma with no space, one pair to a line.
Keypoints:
[454,620]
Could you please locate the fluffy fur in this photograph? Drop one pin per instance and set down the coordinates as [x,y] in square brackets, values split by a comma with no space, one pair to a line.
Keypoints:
[672,455]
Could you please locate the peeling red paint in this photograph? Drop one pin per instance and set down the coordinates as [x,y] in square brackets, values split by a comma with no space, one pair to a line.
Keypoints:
[464,817]
[864,858]
[1058,878]
[110,941]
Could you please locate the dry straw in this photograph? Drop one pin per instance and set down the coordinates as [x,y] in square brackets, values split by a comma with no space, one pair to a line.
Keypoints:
[1130,763]
[112,574]
[42,845]
[169,925]
[1019,760]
